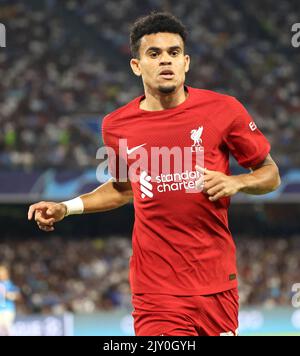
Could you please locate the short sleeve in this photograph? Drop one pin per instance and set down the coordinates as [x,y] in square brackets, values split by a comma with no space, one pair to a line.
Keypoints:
[117,166]
[243,138]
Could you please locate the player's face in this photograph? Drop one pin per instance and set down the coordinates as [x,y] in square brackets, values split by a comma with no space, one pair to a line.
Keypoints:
[162,63]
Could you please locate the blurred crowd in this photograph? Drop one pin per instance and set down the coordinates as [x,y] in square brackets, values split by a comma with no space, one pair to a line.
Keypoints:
[83,276]
[53,92]
[59,275]
[268,268]
[66,66]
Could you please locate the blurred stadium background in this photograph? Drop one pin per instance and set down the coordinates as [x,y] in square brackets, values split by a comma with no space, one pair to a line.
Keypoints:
[65,66]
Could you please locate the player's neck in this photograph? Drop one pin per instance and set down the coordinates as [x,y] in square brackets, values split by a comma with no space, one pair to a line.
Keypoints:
[156,101]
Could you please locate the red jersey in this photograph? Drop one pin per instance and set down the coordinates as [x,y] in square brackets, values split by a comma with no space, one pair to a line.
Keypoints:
[182,244]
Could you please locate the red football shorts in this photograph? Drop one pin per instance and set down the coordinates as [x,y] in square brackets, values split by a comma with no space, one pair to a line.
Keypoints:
[200,315]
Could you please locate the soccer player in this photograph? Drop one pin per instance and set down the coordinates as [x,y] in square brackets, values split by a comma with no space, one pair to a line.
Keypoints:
[183,272]
[9,293]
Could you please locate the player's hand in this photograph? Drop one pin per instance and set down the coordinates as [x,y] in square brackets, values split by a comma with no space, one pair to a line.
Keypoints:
[218,185]
[46,214]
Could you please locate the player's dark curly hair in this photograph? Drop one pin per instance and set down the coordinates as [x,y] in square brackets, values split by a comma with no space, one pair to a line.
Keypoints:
[154,23]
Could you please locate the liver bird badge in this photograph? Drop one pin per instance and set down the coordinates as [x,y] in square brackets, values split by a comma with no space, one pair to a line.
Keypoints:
[196,136]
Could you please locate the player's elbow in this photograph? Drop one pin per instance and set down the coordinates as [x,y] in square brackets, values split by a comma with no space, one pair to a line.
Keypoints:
[276,181]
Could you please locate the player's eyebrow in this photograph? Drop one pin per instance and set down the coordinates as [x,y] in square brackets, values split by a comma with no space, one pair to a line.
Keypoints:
[173,48]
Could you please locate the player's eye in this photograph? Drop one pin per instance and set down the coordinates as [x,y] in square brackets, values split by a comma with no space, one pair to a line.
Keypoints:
[175,53]
[153,54]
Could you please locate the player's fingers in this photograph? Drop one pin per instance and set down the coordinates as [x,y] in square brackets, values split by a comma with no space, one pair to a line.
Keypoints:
[199,183]
[34,207]
[52,210]
[214,190]
[39,218]
[208,184]
[209,178]
[208,175]
[203,181]
[31,211]
[46,228]
[41,226]
[201,170]
[217,196]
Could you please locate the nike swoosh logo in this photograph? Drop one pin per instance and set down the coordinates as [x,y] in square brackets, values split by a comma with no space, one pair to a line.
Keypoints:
[129,151]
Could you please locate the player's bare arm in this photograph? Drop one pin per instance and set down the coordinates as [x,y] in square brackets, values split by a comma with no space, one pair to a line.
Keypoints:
[264,178]
[108,196]
[13,296]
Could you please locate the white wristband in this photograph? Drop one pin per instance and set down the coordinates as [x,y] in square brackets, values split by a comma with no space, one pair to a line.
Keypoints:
[74,206]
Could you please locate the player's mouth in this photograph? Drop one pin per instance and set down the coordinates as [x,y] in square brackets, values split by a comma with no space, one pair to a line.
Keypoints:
[167,74]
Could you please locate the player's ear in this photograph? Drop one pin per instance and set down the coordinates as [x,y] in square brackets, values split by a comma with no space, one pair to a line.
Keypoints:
[187,60]
[135,66]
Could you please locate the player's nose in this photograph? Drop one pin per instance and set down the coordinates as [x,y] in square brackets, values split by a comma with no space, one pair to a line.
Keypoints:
[165,59]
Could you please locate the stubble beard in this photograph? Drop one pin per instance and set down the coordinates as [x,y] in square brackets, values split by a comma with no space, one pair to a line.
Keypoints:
[167,90]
